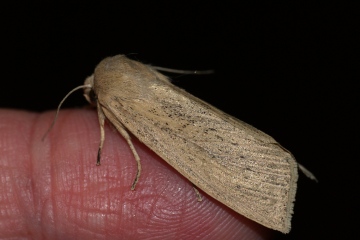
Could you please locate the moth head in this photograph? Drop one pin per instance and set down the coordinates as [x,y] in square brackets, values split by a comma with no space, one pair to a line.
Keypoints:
[89,93]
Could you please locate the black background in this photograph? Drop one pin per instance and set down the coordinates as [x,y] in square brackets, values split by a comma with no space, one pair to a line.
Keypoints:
[288,69]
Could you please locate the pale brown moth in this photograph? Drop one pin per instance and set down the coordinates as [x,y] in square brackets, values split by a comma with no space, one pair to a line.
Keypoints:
[233,162]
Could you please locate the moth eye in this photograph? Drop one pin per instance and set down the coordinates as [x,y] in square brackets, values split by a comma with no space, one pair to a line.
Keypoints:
[92,95]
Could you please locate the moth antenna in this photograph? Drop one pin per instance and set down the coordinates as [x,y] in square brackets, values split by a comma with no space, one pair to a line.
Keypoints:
[183,71]
[58,108]
[301,167]
[307,173]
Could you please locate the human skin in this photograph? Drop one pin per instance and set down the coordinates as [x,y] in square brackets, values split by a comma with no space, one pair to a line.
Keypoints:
[52,189]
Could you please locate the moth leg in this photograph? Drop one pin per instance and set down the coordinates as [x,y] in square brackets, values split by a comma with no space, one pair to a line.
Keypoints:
[126,135]
[198,195]
[101,117]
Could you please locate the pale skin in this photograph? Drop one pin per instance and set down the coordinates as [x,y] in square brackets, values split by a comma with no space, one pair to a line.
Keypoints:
[52,189]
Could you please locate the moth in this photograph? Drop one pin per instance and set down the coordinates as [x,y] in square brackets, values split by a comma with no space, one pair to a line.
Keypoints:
[233,162]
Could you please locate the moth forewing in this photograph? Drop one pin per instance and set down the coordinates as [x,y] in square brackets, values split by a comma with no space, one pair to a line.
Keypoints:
[231,161]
